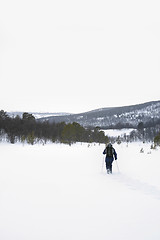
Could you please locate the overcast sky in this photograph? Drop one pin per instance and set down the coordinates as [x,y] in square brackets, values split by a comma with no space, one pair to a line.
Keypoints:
[78,55]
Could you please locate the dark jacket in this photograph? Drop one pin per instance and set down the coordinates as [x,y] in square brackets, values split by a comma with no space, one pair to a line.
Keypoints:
[113,154]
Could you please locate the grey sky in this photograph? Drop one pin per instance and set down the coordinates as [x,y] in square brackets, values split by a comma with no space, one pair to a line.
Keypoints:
[75,56]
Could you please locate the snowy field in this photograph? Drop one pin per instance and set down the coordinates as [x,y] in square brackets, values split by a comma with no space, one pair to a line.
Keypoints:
[63,193]
[116,132]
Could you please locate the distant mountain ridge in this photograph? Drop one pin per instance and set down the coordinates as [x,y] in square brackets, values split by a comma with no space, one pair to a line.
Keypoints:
[38,115]
[114,117]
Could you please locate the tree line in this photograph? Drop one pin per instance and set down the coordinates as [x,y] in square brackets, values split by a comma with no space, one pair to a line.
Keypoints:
[27,129]
[141,133]
[157,139]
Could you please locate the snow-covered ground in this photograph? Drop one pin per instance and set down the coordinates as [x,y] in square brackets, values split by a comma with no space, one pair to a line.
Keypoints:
[62,192]
[117,132]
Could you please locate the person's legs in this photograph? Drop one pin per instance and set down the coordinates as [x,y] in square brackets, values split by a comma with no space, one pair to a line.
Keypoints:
[107,167]
[110,165]
[110,168]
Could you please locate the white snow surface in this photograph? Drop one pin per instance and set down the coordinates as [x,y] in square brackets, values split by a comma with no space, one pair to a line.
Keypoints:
[62,192]
[117,132]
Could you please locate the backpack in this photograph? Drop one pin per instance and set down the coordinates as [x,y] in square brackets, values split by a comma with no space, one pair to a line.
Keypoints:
[109,151]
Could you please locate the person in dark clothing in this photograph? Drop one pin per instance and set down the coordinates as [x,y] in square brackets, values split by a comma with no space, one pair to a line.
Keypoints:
[110,156]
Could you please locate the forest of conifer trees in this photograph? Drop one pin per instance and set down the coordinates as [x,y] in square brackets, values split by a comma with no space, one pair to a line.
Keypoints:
[27,129]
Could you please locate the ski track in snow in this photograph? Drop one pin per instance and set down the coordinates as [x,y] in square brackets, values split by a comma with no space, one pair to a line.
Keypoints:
[136,185]
[62,192]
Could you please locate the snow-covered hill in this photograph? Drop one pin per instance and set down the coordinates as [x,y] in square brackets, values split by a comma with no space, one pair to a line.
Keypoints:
[61,192]
[116,117]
